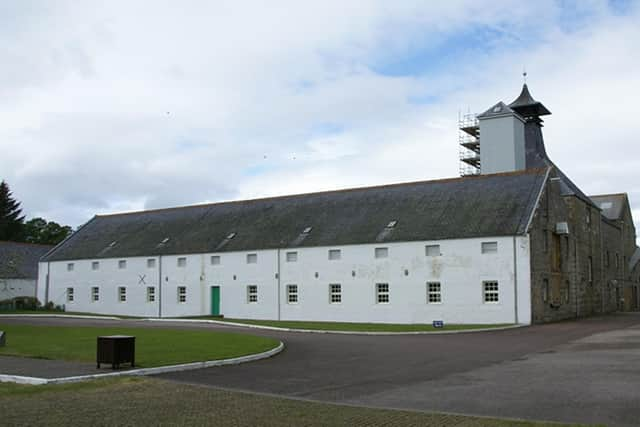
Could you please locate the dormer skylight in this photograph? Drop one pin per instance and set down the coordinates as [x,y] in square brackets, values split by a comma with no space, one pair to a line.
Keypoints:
[392,224]
[307,230]
[231,235]
[112,244]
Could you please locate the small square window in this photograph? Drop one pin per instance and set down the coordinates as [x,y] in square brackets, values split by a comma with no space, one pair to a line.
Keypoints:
[122,294]
[381,252]
[95,265]
[69,294]
[382,293]
[292,294]
[252,294]
[432,250]
[335,293]
[151,294]
[122,264]
[70,266]
[335,254]
[95,294]
[182,294]
[292,256]
[434,293]
[252,258]
[182,262]
[151,263]
[489,247]
[490,292]
[215,259]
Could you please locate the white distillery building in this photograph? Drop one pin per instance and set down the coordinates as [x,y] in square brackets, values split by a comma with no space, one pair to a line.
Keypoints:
[19,269]
[458,250]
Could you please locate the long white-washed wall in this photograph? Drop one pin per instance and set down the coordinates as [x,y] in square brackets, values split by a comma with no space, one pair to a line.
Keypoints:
[461,270]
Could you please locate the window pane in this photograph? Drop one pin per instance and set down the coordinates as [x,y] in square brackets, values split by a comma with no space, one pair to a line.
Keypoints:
[292,256]
[489,247]
[381,252]
[433,250]
[334,254]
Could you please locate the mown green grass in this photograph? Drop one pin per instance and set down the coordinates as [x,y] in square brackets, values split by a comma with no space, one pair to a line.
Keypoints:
[356,327]
[146,401]
[154,346]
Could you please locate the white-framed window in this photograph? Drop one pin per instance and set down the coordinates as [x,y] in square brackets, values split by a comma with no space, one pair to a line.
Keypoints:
[182,262]
[70,266]
[252,294]
[490,292]
[382,293]
[252,258]
[432,250]
[292,294]
[95,294]
[335,293]
[69,294]
[489,247]
[292,256]
[95,265]
[434,293]
[182,294]
[335,254]
[381,252]
[215,259]
[151,294]
[122,264]
[151,263]
[122,294]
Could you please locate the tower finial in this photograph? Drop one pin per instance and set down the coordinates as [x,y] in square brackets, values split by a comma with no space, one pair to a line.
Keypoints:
[524,74]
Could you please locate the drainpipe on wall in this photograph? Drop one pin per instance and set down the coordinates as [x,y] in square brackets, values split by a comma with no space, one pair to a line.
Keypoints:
[278,274]
[515,280]
[602,284]
[160,286]
[46,289]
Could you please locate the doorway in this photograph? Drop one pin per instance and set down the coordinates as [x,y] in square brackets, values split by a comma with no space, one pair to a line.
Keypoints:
[215,300]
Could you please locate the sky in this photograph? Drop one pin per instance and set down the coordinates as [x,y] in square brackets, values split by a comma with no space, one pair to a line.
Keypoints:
[128,105]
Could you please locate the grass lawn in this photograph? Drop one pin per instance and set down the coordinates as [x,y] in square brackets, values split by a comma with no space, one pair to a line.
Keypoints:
[348,326]
[146,401]
[154,346]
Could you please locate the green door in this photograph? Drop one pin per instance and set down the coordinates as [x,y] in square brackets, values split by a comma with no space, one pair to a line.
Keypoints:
[215,300]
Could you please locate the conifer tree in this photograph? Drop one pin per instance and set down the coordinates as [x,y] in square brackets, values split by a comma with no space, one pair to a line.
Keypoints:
[11,220]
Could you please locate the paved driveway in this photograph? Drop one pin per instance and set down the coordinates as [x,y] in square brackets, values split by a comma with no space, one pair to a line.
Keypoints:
[578,371]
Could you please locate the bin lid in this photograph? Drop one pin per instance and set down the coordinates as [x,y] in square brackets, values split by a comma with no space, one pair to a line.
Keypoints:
[116,336]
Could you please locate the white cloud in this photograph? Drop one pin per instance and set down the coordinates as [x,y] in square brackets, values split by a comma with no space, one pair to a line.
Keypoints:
[124,105]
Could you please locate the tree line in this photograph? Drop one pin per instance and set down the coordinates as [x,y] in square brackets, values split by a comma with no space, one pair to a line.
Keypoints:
[14,228]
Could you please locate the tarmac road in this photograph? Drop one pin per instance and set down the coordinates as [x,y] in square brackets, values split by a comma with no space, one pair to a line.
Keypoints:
[584,371]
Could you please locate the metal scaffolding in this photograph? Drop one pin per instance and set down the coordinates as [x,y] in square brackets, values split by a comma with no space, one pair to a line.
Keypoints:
[469,144]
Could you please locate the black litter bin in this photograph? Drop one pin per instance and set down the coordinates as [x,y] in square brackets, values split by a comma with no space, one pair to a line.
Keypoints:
[116,349]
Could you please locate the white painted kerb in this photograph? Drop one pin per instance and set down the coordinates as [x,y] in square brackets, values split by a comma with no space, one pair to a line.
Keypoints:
[145,371]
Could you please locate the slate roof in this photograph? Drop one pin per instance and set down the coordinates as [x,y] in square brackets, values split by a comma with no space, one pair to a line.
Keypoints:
[486,205]
[20,260]
[635,258]
[612,205]
[525,105]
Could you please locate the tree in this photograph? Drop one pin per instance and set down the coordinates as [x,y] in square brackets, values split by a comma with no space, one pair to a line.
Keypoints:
[38,230]
[11,220]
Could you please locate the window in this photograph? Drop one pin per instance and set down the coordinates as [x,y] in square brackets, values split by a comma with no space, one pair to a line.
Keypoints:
[151,263]
[182,262]
[122,264]
[588,216]
[381,252]
[607,261]
[590,272]
[335,293]
[617,260]
[95,265]
[95,294]
[70,266]
[489,247]
[69,294]
[182,294]
[292,256]
[151,294]
[335,254]
[292,294]
[545,241]
[432,250]
[252,294]
[490,292]
[215,259]
[122,294]
[567,292]
[545,290]
[382,293]
[252,258]
[434,293]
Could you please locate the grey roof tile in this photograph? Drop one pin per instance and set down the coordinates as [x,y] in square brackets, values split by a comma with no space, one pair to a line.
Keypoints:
[20,260]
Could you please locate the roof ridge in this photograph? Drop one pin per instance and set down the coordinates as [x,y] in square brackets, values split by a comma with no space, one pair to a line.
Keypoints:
[530,171]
